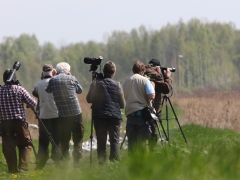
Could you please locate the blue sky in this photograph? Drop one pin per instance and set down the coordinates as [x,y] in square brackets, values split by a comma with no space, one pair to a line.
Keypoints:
[70,21]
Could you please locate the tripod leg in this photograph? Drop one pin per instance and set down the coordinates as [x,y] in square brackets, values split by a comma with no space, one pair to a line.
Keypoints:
[33,147]
[166,134]
[177,120]
[160,135]
[160,122]
[123,141]
[49,135]
[91,138]
[166,105]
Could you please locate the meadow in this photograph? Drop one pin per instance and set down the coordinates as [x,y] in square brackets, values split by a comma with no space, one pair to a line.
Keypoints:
[210,123]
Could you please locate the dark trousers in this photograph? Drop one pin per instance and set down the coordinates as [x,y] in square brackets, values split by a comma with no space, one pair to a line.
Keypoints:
[16,134]
[52,126]
[71,127]
[104,126]
[152,141]
[138,131]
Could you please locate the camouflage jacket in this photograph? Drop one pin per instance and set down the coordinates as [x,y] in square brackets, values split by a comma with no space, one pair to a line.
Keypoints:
[161,86]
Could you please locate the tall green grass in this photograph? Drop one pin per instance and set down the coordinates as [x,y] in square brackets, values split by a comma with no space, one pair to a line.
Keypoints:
[209,154]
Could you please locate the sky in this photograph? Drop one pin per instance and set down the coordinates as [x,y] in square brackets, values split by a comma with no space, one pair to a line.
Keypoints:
[63,22]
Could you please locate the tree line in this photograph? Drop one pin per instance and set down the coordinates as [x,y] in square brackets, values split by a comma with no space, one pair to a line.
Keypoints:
[205,54]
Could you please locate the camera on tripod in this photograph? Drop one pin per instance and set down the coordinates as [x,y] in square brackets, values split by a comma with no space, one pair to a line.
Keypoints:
[94,65]
[12,77]
[170,69]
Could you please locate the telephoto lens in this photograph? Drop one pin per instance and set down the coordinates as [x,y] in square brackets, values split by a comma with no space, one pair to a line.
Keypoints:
[170,69]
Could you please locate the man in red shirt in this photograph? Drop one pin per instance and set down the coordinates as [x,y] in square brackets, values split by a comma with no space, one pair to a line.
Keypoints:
[15,131]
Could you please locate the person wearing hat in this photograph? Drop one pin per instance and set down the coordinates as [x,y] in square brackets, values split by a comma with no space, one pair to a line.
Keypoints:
[65,88]
[15,132]
[48,114]
[163,85]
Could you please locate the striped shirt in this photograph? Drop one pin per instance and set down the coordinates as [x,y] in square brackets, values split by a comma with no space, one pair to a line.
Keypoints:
[64,88]
[12,99]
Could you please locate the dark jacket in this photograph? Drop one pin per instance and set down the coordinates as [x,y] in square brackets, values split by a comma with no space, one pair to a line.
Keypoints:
[160,85]
[107,98]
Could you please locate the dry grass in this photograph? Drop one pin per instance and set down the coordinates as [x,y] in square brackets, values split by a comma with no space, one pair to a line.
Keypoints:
[218,110]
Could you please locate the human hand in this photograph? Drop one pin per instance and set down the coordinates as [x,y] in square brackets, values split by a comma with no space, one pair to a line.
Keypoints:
[167,72]
[54,72]
[27,106]
[153,84]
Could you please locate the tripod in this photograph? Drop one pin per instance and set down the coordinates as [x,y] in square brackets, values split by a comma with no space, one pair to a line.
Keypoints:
[49,136]
[166,100]
[95,75]
[155,125]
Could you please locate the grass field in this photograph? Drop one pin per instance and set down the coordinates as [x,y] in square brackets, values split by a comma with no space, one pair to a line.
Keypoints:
[209,154]
[211,126]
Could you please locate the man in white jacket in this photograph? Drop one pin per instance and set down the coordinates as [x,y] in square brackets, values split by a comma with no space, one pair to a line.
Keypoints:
[48,114]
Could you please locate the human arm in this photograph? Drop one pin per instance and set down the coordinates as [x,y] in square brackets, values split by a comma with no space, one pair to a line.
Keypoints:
[161,86]
[122,102]
[151,96]
[165,84]
[150,90]
[30,101]
[78,86]
[90,95]
[48,88]
[35,92]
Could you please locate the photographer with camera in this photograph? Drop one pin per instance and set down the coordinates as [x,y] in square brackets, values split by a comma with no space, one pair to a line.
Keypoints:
[15,131]
[106,96]
[48,115]
[138,93]
[163,84]
[65,88]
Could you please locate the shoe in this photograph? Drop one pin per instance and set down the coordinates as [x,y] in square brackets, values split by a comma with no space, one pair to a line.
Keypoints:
[38,168]
[22,170]
[13,172]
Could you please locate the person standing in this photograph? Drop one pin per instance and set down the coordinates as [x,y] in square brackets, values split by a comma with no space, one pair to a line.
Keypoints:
[138,93]
[106,96]
[65,88]
[15,131]
[163,85]
[48,115]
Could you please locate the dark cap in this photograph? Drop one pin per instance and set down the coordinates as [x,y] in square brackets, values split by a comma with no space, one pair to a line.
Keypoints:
[47,68]
[154,62]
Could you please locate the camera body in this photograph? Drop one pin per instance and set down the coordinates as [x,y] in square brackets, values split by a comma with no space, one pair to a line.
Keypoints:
[170,69]
[95,61]
[94,65]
